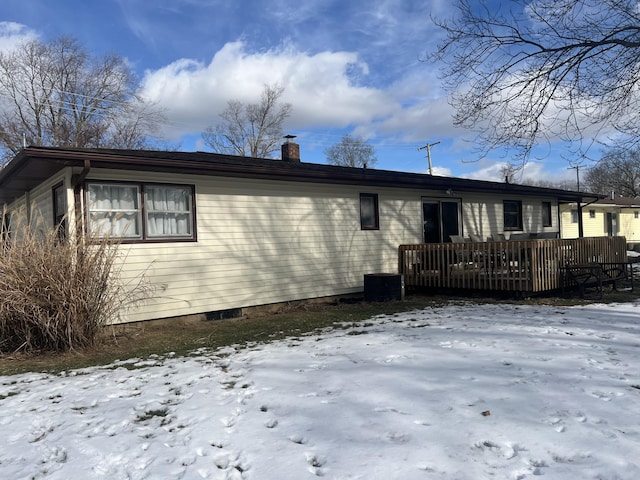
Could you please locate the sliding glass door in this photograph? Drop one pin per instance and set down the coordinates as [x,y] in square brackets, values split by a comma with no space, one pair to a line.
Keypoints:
[440,219]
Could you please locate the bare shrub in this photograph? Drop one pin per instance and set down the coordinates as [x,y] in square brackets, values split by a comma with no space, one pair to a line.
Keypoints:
[57,293]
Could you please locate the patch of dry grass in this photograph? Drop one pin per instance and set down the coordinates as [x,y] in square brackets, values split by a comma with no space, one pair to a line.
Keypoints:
[58,293]
[182,336]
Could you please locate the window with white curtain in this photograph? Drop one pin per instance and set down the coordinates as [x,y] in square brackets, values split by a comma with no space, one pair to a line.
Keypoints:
[165,214]
[168,211]
[114,209]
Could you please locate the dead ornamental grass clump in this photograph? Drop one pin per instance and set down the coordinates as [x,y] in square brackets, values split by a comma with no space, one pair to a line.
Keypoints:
[58,294]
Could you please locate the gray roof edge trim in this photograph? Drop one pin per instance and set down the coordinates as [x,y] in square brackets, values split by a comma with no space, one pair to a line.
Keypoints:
[229,165]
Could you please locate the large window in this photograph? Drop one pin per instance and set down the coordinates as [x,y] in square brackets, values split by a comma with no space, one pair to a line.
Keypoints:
[512,214]
[369,216]
[141,211]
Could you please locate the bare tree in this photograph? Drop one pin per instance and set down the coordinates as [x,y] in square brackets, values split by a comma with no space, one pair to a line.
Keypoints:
[617,171]
[254,129]
[509,172]
[559,184]
[527,72]
[351,151]
[56,94]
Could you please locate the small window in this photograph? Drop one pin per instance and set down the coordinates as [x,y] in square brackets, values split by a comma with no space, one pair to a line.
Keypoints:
[60,210]
[369,216]
[592,214]
[546,214]
[512,212]
[574,216]
[635,214]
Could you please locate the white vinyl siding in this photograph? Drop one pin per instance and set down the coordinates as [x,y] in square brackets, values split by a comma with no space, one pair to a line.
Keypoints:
[37,205]
[483,215]
[568,228]
[596,226]
[629,224]
[263,242]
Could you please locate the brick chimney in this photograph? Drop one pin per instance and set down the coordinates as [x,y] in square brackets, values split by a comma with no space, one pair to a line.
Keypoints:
[290,150]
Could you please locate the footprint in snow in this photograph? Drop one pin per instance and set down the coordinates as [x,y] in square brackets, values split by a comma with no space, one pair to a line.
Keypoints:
[271,423]
[315,462]
[398,438]
[230,421]
[557,424]
[389,409]
[299,439]
[606,396]
[509,450]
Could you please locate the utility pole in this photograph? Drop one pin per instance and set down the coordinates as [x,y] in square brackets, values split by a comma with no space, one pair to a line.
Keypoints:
[577,167]
[428,147]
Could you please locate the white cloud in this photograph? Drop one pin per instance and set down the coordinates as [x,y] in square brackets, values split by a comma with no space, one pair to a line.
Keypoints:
[13,34]
[320,87]
[441,171]
[425,120]
[531,172]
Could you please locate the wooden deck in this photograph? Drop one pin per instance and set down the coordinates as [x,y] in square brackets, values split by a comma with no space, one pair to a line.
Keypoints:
[511,266]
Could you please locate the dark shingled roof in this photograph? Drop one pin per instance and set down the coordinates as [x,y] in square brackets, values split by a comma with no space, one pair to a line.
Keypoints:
[619,202]
[33,165]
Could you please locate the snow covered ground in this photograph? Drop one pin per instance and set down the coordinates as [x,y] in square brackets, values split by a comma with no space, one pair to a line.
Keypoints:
[459,392]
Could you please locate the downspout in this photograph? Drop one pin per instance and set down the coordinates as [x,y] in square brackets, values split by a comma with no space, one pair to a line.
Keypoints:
[77,181]
[27,203]
[580,222]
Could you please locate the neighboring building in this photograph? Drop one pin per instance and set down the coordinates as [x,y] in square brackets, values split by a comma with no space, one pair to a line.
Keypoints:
[217,233]
[613,216]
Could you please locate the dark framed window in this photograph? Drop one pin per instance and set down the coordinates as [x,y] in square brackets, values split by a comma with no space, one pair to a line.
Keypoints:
[592,214]
[141,212]
[60,210]
[512,213]
[546,214]
[168,211]
[635,214]
[369,213]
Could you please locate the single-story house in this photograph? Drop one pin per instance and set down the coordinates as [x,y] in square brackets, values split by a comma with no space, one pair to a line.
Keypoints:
[612,216]
[218,233]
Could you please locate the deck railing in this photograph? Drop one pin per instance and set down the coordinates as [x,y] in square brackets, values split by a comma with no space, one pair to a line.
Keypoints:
[511,265]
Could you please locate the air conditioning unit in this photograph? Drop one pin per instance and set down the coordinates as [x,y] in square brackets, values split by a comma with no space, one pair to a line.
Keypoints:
[383,287]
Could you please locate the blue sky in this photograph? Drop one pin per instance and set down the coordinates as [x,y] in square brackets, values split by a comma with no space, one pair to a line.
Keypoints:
[347,67]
